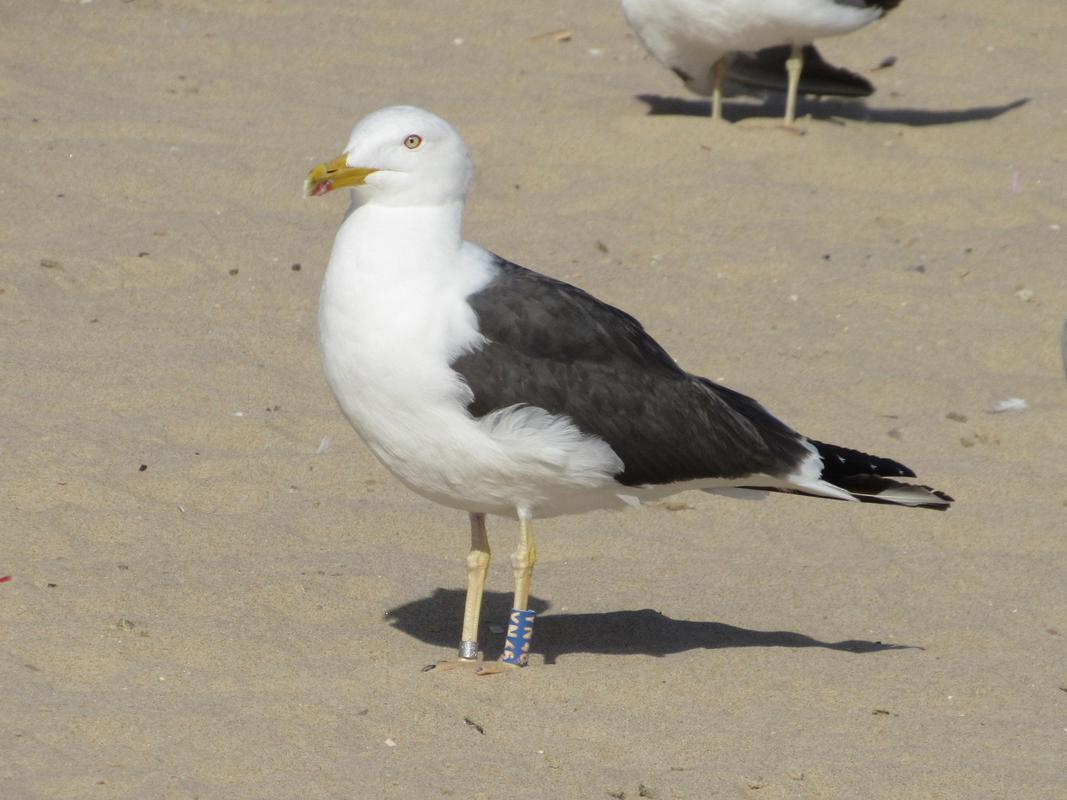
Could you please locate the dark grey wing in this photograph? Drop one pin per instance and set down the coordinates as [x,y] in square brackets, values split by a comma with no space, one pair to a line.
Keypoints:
[885,5]
[556,347]
[765,69]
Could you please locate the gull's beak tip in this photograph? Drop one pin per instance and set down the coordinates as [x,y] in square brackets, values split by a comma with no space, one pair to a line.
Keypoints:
[335,174]
[316,188]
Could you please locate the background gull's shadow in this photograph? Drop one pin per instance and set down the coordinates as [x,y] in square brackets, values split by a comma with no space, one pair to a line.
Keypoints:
[436,620]
[826,109]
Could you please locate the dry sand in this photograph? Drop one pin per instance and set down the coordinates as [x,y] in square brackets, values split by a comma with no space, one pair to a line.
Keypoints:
[244,617]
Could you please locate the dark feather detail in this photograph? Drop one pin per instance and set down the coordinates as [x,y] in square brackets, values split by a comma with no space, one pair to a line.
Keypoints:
[875,489]
[765,69]
[841,462]
[885,5]
[554,346]
[870,478]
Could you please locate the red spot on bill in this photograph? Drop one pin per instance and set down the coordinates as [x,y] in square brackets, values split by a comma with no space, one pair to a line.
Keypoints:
[5,579]
[322,188]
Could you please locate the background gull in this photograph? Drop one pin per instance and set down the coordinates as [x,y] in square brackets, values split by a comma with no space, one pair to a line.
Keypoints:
[492,389]
[697,38]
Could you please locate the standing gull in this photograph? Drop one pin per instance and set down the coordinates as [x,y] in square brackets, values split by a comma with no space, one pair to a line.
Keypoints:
[492,389]
[698,38]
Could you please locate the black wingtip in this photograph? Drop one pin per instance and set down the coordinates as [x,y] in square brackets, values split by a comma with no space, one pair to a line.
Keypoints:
[843,462]
[885,5]
[876,489]
[765,69]
[947,499]
[871,479]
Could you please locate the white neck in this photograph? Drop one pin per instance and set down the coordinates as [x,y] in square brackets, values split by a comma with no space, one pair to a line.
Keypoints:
[400,273]
[399,239]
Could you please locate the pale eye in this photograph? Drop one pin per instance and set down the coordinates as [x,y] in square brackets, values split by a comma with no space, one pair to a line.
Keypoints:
[413,142]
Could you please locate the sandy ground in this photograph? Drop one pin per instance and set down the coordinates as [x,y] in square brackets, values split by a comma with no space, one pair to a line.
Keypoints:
[203,605]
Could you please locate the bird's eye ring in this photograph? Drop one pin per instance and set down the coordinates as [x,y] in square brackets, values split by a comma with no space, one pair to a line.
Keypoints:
[413,141]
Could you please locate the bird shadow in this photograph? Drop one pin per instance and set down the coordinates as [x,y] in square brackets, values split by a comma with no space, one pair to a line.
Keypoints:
[435,619]
[828,109]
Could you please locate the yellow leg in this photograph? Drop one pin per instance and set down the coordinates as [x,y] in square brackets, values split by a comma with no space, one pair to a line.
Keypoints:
[718,72]
[793,66]
[522,561]
[477,566]
[517,643]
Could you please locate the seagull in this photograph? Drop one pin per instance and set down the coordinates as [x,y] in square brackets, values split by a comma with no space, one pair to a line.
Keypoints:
[698,39]
[492,389]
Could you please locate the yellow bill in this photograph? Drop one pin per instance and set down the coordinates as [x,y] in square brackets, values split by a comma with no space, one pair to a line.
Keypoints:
[335,174]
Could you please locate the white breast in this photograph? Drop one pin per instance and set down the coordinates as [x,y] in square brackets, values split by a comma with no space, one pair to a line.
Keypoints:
[392,317]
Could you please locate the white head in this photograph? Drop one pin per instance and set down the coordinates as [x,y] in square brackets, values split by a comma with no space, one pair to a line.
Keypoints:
[398,156]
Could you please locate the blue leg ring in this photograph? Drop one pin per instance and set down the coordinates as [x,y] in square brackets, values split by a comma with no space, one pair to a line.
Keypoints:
[517,643]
